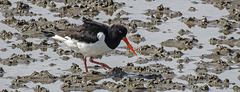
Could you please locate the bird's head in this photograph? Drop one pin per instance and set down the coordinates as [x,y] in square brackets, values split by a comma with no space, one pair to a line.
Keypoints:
[120,32]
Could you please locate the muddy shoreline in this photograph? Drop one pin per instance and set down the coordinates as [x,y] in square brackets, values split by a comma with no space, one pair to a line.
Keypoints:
[178,50]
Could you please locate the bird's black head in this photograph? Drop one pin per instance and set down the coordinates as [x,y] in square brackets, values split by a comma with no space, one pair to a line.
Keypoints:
[115,34]
[118,31]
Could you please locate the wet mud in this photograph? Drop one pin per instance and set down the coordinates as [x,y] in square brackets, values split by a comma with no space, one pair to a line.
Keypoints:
[159,66]
[182,43]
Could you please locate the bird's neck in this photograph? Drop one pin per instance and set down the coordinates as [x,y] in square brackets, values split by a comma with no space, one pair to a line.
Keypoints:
[112,42]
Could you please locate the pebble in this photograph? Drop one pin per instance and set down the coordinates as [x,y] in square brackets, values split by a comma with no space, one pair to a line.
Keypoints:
[141,60]
[1,72]
[5,35]
[65,58]
[3,49]
[236,88]
[38,88]
[5,2]
[52,64]
[192,9]
[183,32]
[116,72]
[75,68]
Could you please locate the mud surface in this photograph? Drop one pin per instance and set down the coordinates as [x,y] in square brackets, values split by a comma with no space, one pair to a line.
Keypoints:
[182,46]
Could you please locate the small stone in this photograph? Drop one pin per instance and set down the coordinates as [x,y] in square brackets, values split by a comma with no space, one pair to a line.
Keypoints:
[65,58]
[192,9]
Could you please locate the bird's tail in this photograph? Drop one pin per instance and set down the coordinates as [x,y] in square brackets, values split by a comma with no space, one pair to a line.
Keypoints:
[54,36]
[48,33]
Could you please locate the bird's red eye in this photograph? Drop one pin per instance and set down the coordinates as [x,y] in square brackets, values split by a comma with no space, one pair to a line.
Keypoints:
[120,31]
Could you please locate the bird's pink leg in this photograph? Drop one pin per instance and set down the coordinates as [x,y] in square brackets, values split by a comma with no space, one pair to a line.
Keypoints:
[85,63]
[104,66]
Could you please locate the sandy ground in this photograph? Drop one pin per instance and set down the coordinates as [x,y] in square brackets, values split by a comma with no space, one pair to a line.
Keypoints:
[182,45]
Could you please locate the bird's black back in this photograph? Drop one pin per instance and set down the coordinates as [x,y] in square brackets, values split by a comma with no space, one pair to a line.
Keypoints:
[86,32]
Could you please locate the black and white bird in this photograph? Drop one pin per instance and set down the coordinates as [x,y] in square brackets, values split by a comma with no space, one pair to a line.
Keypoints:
[92,38]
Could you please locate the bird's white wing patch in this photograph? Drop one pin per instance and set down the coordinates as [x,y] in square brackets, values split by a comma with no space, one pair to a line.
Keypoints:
[100,36]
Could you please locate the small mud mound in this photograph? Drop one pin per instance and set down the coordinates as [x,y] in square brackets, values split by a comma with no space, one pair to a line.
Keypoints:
[15,59]
[181,43]
[43,77]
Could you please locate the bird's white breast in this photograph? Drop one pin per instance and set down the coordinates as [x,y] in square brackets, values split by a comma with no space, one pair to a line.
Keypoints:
[87,49]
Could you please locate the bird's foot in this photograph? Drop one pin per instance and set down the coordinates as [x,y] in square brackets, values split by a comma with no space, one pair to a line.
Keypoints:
[104,66]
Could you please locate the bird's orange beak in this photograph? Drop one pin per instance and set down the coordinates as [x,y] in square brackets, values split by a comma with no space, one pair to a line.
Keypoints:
[128,44]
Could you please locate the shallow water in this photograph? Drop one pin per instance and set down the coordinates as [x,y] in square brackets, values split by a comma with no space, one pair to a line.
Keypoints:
[136,8]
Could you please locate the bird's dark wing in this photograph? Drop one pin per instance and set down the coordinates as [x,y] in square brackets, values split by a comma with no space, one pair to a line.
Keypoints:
[84,33]
[91,22]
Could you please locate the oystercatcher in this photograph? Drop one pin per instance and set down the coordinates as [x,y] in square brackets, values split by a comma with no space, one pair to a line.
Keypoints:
[91,39]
